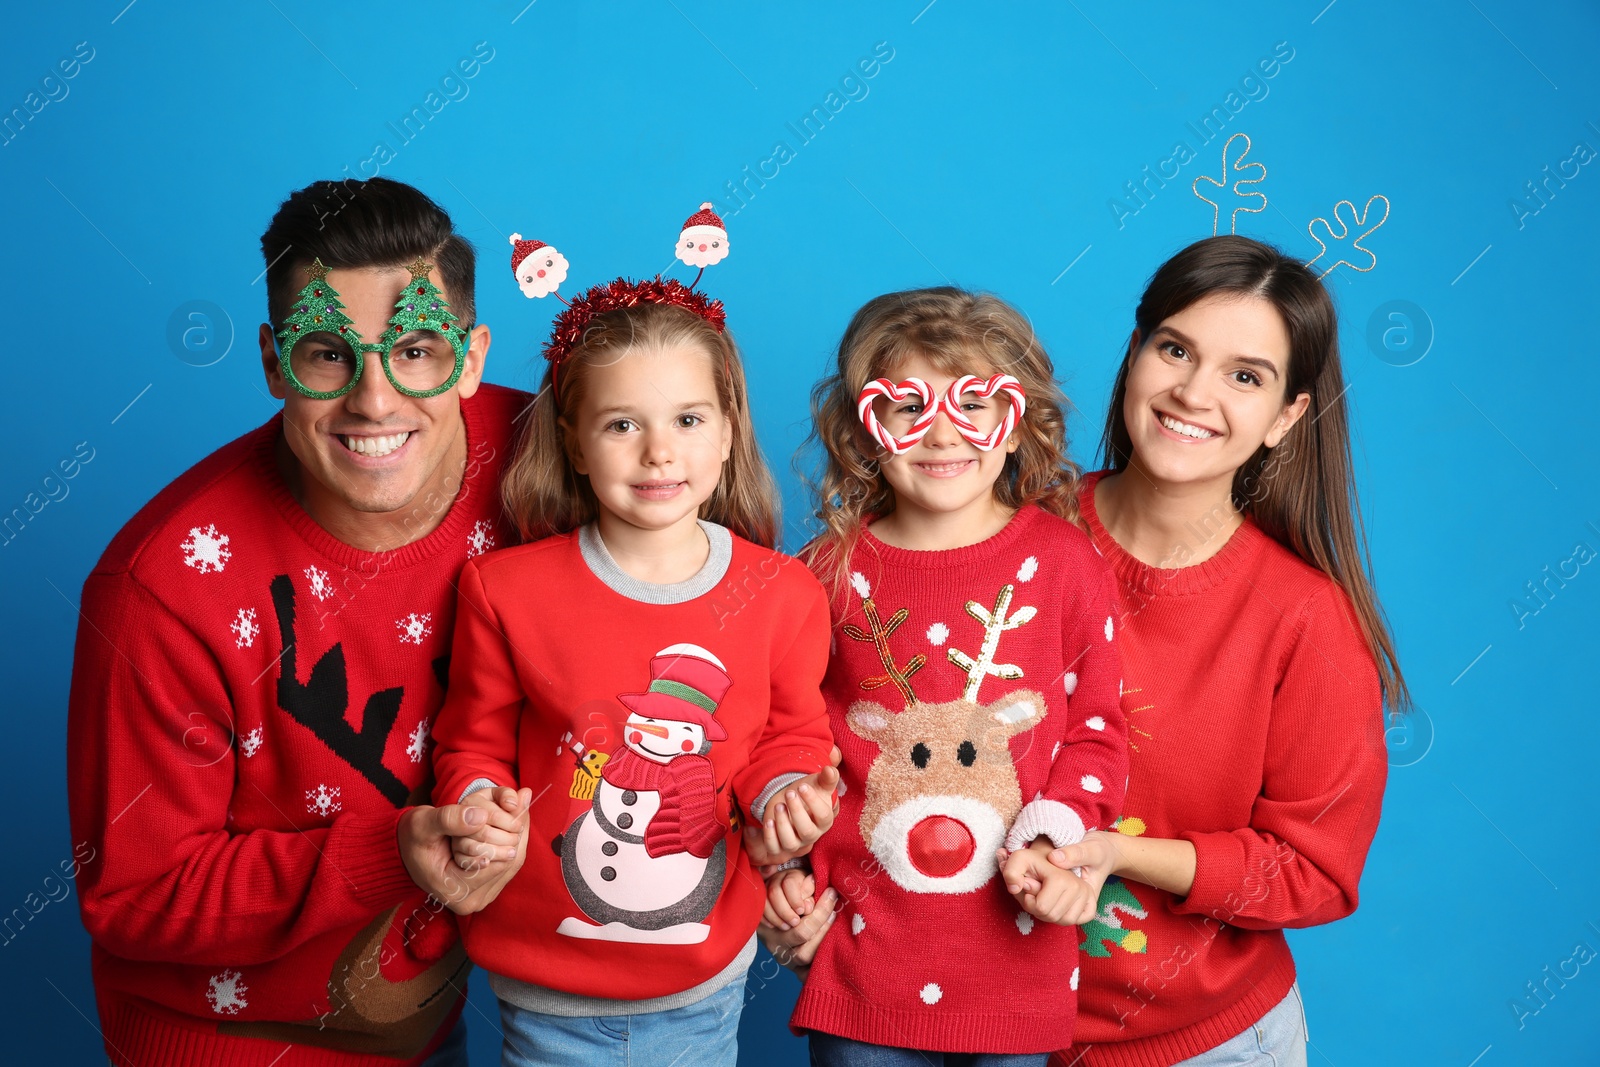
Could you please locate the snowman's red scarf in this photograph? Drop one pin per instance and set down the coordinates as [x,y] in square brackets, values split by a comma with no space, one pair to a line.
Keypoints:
[687,818]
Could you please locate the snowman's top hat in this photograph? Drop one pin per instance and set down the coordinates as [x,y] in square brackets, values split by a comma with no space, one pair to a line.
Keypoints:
[686,685]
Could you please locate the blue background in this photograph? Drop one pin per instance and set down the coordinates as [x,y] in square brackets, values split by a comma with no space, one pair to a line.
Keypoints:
[988,151]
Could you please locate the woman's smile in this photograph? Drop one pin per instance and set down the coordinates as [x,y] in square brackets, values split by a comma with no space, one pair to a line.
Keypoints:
[1187,432]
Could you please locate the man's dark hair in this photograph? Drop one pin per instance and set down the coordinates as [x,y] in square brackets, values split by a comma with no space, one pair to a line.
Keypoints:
[373,223]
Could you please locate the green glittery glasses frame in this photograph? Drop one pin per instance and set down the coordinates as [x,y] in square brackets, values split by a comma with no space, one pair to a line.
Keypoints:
[421,307]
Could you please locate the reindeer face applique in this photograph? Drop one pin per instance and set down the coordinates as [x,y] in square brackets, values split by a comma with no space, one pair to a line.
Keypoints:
[943,790]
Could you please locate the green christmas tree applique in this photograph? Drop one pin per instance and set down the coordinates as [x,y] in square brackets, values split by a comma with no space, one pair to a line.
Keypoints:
[422,307]
[1117,904]
[316,309]
[1106,929]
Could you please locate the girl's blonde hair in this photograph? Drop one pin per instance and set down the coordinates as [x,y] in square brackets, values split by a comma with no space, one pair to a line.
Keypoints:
[544,495]
[959,333]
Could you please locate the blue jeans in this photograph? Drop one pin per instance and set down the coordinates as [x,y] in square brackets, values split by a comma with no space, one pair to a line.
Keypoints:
[453,1053]
[704,1034]
[1277,1039]
[829,1050]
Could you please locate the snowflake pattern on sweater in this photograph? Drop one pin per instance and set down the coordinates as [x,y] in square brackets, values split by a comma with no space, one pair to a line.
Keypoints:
[481,539]
[317,581]
[223,615]
[245,628]
[206,550]
[225,993]
[413,628]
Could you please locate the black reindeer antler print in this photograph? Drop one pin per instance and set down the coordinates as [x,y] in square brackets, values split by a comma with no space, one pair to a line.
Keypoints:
[319,704]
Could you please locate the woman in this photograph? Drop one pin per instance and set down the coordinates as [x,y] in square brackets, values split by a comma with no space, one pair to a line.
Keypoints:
[1256,664]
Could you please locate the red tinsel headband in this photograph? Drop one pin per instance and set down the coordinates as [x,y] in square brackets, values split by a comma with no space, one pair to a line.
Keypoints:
[540,270]
[622,293]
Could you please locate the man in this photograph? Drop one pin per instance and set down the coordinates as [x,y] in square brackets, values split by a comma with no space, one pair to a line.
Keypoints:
[263,650]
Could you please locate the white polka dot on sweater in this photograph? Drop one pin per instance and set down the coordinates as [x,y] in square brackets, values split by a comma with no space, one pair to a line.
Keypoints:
[1069,682]
[937,633]
[1095,723]
[1029,568]
[1108,627]
[1054,752]
[1024,923]
[1091,783]
[1074,982]
[931,993]
[857,923]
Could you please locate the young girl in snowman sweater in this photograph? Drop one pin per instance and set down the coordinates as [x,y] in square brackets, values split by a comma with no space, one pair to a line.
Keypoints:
[973,691]
[650,668]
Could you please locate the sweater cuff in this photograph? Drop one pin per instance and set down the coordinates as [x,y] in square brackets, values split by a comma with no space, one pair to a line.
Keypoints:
[1045,818]
[799,863]
[366,851]
[1219,864]
[758,806]
[473,786]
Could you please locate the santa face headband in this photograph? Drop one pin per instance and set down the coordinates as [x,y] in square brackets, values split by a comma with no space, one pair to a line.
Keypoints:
[899,414]
[540,269]
[322,355]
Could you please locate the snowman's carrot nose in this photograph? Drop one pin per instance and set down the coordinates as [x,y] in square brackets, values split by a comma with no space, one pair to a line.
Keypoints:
[649,728]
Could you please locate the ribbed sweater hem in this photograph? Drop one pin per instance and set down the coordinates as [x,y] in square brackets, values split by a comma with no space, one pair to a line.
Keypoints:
[135,1037]
[932,1030]
[1175,1046]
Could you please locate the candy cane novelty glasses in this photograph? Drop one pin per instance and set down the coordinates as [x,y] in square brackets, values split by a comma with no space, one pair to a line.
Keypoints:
[423,351]
[899,414]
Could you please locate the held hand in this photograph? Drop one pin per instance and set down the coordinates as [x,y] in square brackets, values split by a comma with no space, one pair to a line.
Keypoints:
[796,819]
[425,836]
[495,840]
[790,897]
[796,947]
[1046,891]
[1097,856]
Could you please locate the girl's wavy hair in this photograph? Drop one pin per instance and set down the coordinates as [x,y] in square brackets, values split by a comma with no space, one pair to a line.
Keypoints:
[1303,492]
[545,495]
[959,333]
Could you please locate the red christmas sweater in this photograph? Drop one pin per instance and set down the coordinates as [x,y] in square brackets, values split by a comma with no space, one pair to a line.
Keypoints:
[249,715]
[1255,720]
[973,693]
[648,732]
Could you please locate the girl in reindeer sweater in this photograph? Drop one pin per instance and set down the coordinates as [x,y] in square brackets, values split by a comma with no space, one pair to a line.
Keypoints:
[973,690]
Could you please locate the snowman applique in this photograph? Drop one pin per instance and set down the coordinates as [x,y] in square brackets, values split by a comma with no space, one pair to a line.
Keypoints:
[646,862]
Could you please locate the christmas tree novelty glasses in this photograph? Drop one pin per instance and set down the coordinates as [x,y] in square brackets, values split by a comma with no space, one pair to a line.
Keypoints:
[899,414]
[423,351]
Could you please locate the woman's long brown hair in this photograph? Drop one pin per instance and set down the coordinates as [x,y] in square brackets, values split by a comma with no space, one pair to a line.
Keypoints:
[959,333]
[544,495]
[1302,492]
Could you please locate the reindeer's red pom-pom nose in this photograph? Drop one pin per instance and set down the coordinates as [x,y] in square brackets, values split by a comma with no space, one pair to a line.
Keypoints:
[940,846]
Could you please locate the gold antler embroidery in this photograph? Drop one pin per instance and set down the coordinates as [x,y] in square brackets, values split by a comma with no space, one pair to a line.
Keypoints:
[994,624]
[879,636]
